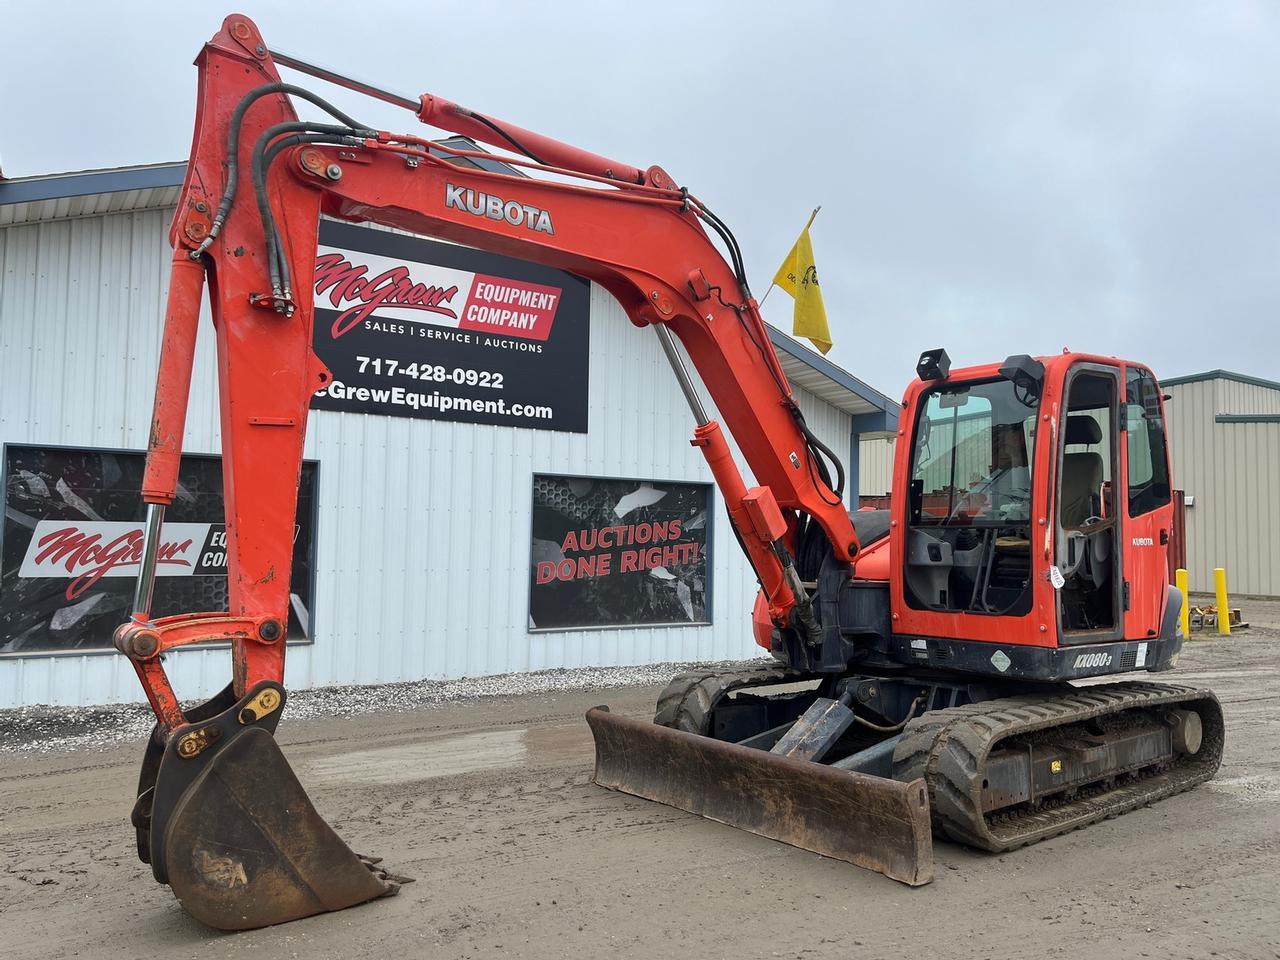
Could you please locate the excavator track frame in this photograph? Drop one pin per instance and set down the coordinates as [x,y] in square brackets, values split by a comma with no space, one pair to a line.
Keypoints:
[946,749]
[689,699]
[949,749]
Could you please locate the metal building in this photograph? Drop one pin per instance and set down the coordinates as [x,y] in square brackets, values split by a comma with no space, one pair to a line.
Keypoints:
[1224,441]
[422,563]
[875,462]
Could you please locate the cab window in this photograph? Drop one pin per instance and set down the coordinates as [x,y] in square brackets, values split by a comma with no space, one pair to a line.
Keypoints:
[1148,452]
[971,460]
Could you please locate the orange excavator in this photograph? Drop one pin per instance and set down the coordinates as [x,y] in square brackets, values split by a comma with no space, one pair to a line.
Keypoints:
[924,660]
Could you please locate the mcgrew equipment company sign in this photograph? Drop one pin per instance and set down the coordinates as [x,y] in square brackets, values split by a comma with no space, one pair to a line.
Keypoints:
[71,545]
[416,328]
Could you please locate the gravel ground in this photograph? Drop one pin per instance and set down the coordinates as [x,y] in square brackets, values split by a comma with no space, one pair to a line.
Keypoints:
[481,789]
[56,729]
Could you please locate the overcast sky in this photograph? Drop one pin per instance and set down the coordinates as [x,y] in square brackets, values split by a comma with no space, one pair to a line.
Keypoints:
[994,178]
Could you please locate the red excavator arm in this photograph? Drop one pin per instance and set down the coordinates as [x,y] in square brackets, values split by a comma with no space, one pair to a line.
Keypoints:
[634,232]
[256,186]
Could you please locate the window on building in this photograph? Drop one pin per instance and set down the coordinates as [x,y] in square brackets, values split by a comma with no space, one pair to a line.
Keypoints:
[71,539]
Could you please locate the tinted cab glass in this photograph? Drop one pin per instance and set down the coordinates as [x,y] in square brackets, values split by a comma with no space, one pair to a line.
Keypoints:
[1148,451]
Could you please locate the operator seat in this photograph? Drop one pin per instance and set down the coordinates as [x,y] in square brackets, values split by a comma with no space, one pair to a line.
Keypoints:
[1081,473]
[1081,500]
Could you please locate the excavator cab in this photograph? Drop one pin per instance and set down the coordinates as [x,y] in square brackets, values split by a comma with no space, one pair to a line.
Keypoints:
[1035,499]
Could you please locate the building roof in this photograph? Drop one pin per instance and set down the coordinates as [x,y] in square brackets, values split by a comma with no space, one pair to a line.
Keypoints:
[837,386]
[1220,375]
[83,193]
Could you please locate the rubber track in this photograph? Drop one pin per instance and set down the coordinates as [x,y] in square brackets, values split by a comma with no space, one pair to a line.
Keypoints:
[949,748]
[688,700]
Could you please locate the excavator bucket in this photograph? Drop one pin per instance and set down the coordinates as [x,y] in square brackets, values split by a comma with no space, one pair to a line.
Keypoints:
[873,822]
[223,820]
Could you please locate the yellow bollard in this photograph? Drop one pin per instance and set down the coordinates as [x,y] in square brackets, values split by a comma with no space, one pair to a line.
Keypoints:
[1224,612]
[1184,618]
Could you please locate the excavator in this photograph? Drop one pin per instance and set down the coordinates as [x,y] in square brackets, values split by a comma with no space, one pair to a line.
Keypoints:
[933,668]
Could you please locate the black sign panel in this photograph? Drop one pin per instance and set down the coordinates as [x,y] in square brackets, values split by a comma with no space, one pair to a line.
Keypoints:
[72,541]
[610,553]
[416,328]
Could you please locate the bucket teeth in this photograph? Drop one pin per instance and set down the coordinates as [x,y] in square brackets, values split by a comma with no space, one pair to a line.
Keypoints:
[393,879]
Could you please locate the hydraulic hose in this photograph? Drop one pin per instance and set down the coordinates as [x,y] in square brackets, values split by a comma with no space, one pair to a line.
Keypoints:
[233,145]
[279,269]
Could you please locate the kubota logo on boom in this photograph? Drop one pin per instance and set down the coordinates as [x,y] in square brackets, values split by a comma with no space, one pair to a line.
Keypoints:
[495,208]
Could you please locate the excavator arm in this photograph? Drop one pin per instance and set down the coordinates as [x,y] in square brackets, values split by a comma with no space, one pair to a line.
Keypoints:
[246,228]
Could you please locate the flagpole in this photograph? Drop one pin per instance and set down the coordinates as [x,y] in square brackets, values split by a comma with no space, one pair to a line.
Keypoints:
[809,224]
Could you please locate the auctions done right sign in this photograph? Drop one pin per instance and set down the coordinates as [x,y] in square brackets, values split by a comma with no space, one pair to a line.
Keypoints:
[416,328]
[609,552]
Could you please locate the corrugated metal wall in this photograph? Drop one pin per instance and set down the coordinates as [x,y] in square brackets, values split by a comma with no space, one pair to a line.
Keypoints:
[875,466]
[423,530]
[1233,472]
[969,454]
[1246,398]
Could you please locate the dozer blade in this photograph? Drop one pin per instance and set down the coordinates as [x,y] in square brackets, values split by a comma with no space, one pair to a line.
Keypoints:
[873,822]
[235,835]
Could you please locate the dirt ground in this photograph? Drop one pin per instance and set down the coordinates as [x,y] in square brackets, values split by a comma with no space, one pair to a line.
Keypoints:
[489,804]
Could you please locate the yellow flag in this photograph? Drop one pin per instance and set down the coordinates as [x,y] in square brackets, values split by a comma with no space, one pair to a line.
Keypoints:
[799,277]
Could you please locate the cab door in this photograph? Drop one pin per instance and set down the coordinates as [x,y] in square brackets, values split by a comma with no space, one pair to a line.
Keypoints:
[1089,522]
[1147,504]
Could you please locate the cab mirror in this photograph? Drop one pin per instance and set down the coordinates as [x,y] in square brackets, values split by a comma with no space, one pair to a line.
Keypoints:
[1027,375]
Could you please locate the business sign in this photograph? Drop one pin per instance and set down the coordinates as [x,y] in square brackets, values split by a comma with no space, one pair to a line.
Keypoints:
[71,546]
[416,328]
[613,553]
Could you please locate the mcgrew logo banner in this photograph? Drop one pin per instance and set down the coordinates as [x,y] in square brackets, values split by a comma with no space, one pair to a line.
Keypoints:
[71,539]
[417,328]
[363,285]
